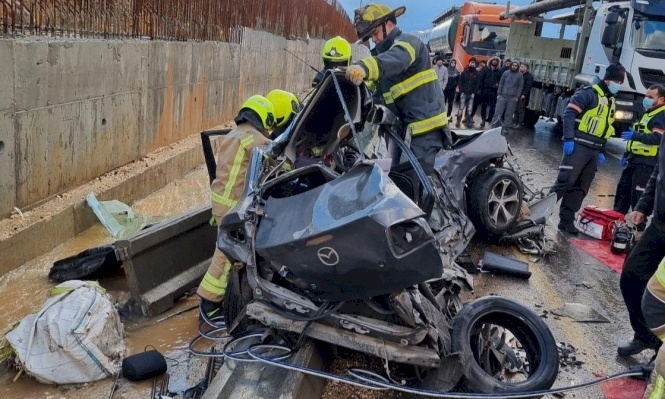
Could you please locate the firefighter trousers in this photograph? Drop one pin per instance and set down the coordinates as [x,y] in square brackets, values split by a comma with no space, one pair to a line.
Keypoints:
[213,285]
[653,308]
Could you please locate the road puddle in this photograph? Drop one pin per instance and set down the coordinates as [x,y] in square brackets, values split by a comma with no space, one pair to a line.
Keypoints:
[24,290]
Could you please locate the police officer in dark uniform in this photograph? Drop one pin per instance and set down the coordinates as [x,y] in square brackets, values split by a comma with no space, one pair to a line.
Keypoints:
[406,81]
[587,124]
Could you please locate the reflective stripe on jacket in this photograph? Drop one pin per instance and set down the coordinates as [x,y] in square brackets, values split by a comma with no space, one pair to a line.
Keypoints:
[407,82]
[597,121]
[232,163]
[639,148]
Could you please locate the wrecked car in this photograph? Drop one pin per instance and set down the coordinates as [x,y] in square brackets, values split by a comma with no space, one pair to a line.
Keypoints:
[355,246]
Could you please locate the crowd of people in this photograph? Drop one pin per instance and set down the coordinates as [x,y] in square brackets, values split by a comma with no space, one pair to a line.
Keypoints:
[502,100]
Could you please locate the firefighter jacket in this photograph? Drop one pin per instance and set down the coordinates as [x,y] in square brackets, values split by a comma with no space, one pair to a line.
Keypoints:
[589,117]
[406,82]
[643,147]
[232,163]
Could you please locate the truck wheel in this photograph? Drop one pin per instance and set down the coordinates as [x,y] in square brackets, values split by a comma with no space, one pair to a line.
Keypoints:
[530,118]
[508,347]
[495,201]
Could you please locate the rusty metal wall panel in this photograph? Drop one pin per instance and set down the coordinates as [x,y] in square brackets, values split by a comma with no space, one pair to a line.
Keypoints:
[174,19]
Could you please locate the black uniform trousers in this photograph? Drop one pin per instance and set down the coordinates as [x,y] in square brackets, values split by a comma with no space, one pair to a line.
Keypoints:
[640,264]
[576,173]
[634,175]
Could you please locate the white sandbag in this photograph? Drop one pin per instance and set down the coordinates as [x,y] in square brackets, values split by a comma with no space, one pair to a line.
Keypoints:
[76,337]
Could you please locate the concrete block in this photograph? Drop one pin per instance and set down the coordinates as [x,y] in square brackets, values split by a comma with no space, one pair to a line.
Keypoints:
[165,260]
[7,68]
[7,163]
[65,145]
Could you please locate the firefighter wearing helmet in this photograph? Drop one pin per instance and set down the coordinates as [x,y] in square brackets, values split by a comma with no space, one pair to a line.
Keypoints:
[286,105]
[406,81]
[255,118]
[335,53]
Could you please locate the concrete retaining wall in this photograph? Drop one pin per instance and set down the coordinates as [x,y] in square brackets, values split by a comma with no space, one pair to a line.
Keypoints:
[74,110]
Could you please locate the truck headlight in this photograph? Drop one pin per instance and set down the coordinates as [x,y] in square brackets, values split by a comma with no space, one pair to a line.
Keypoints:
[624,115]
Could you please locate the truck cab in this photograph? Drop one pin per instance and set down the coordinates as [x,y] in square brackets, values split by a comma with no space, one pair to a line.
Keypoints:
[473,30]
[632,33]
[629,32]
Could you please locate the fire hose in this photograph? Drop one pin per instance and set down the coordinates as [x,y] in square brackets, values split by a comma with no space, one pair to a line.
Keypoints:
[361,377]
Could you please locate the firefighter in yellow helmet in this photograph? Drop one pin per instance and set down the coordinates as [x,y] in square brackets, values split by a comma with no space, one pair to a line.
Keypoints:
[286,106]
[255,118]
[336,53]
[406,81]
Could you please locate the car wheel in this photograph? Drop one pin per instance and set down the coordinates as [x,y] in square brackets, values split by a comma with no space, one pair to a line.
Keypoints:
[509,348]
[495,201]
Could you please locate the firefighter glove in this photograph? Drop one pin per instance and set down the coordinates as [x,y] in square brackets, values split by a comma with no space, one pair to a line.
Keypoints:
[568,147]
[627,134]
[624,161]
[356,74]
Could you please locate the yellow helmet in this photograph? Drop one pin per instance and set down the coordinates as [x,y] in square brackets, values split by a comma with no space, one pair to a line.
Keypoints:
[372,15]
[338,51]
[285,104]
[263,108]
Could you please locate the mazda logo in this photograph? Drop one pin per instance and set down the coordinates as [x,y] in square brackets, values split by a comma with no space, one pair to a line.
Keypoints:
[328,256]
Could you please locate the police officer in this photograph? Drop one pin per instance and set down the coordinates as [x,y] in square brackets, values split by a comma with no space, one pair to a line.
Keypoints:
[336,53]
[407,83]
[587,124]
[286,106]
[255,118]
[641,151]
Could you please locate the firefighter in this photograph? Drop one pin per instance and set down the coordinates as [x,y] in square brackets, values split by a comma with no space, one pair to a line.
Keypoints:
[286,105]
[255,118]
[406,81]
[336,53]
[641,151]
[653,307]
[587,124]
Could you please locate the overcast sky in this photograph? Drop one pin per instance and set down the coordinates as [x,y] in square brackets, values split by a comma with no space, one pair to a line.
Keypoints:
[419,13]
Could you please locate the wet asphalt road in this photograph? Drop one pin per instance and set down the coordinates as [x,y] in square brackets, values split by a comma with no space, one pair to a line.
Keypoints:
[556,279]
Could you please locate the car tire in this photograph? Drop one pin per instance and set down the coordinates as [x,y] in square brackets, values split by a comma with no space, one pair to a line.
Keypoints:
[537,343]
[494,202]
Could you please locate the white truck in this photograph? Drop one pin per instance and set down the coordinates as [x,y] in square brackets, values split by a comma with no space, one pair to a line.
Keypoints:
[630,32]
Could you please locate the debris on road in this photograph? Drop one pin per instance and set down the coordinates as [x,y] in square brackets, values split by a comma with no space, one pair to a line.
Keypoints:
[52,351]
[580,313]
[499,264]
[568,356]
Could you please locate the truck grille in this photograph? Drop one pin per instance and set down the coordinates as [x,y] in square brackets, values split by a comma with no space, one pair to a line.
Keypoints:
[651,76]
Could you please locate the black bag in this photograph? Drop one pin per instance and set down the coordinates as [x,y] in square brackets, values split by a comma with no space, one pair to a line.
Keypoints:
[143,366]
